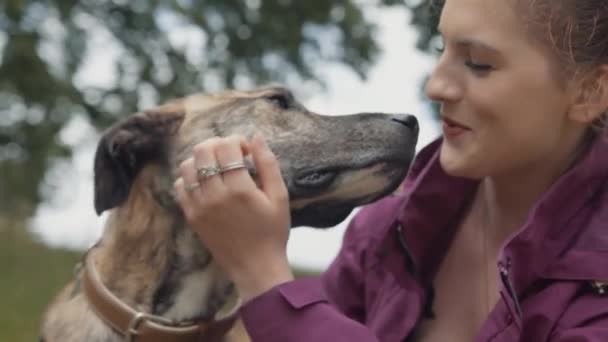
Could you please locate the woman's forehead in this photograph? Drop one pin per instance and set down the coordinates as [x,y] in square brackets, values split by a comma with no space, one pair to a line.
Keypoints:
[490,24]
[479,18]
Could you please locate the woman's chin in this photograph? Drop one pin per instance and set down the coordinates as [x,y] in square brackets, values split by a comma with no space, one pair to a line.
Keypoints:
[457,165]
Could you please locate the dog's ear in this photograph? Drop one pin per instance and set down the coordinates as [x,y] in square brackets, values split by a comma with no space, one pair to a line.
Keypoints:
[124,149]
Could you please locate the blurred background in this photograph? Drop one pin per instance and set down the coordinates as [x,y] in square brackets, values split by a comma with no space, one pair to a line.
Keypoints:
[69,68]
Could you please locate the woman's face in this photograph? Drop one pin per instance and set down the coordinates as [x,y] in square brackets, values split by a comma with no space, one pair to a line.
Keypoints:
[502,107]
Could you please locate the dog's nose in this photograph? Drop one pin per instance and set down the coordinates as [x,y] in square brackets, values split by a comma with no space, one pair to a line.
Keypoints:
[407,120]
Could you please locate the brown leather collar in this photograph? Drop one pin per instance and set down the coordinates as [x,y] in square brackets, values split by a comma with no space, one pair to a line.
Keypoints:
[140,326]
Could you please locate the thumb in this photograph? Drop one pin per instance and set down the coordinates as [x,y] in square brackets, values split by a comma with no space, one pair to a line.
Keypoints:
[268,170]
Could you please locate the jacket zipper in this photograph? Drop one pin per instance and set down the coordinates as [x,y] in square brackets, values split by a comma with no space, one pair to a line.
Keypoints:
[409,259]
[429,291]
[506,281]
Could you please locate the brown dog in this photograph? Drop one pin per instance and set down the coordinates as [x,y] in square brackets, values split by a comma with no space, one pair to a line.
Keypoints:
[153,263]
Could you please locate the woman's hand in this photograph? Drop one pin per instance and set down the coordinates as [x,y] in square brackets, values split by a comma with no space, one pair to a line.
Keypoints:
[245,227]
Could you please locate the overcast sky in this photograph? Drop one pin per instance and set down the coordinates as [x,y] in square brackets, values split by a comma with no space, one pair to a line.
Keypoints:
[68,220]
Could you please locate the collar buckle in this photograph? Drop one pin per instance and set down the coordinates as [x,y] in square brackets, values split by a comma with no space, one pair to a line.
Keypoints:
[138,320]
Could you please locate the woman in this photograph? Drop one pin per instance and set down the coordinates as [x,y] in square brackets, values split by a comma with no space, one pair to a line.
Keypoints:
[501,234]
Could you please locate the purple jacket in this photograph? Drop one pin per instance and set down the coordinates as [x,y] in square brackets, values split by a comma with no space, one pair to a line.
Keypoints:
[375,289]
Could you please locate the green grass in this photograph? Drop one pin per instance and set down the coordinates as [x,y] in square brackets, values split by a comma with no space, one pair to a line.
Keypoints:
[30,275]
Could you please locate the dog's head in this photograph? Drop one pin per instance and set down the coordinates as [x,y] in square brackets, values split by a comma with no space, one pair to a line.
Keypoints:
[331,164]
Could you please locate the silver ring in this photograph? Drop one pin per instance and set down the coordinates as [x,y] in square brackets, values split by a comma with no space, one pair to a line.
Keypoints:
[233,166]
[192,187]
[206,172]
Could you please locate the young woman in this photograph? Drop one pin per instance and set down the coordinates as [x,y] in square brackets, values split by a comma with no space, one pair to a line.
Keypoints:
[502,232]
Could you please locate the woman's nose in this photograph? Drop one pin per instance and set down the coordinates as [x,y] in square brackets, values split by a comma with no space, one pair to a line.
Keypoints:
[442,86]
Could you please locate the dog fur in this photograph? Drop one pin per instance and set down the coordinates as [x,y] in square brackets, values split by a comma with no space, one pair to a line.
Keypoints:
[150,259]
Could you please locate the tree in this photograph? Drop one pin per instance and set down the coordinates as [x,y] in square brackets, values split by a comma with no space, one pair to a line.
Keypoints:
[162,49]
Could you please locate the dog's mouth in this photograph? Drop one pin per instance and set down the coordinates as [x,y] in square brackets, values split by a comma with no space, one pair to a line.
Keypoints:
[325,197]
[307,182]
[316,179]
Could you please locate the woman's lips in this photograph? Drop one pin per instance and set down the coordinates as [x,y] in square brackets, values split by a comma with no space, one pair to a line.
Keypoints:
[452,128]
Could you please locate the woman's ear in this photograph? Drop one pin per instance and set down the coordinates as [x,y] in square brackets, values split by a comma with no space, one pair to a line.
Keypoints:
[591,97]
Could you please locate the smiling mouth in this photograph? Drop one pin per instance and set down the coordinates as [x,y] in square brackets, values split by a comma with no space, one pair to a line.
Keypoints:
[454,124]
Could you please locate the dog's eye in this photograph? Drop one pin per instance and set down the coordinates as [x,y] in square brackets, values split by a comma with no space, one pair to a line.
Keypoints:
[279,100]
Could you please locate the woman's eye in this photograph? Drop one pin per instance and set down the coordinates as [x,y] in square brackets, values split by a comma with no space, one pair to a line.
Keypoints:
[478,67]
[280,101]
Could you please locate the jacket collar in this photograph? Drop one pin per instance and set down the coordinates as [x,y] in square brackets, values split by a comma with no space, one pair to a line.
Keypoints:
[433,202]
[565,235]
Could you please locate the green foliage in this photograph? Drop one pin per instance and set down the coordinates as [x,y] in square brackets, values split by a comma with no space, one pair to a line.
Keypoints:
[425,17]
[157,50]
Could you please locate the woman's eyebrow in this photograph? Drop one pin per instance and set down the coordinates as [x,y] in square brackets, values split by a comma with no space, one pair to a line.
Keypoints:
[468,42]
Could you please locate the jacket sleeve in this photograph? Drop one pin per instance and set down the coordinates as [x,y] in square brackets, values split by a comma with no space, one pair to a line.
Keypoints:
[327,308]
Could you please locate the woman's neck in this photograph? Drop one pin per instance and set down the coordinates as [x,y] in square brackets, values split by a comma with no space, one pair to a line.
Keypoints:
[504,201]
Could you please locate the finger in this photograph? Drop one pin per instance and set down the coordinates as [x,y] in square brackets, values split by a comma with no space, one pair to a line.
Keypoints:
[183,197]
[268,170]
[228,152]
[204,159]
[191,183]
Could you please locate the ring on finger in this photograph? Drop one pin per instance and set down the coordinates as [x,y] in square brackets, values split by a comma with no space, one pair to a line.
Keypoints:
[206,172]
[233,166]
